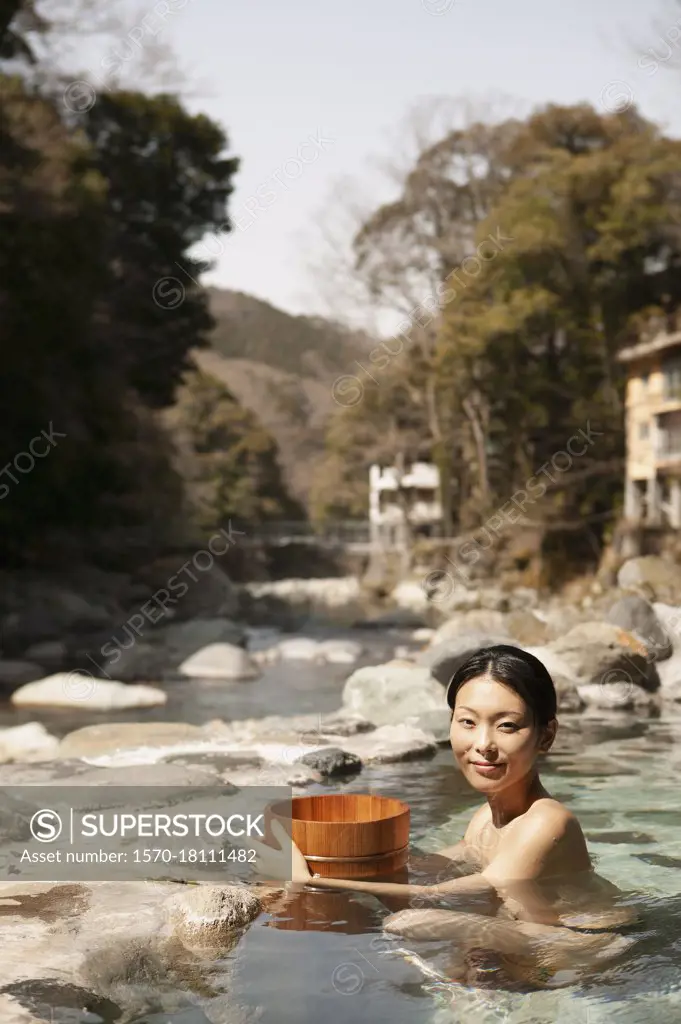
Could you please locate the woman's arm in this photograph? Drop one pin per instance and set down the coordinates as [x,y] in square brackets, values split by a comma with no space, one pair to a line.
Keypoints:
[466,885]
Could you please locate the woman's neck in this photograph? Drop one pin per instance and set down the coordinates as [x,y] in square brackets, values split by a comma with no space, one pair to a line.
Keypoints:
[516,799]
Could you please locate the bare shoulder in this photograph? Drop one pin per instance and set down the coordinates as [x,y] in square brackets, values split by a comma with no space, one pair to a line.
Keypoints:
[554,823]
[552,814]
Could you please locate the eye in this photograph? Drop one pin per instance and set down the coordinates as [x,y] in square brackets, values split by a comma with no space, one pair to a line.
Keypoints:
[509,726]
[465,721]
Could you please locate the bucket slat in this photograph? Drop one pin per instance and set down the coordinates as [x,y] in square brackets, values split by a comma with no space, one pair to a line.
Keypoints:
[361,834]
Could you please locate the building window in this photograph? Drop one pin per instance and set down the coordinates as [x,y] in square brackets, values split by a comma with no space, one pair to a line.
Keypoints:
[672,379]
[643,431]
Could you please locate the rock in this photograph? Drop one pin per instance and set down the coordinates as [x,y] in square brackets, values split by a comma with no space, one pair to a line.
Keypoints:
[392,743]
[526,628]
[410,594]
[220,661]
[392,692]
[331,761]
[669,672]
[463,623]
[652,577]
[43,609]
[599,652]
[29,742]
[614,696]
[209,591]
[299,648]
[424,635]
[163,648]
[669,617]
[51,654]
[436,723]
[210,914]
[564,679]
[109,737]
[672,692]
[15,673]
[340,652]
[637,615]
[446,657]
[85,693]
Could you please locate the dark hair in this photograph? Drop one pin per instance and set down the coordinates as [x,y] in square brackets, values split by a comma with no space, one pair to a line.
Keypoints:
[515,668]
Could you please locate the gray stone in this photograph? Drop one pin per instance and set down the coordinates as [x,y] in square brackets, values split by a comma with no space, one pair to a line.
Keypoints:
[445,658]
[526,628]
[392,743]
[598,652]
[331,761]
[29,742]
[111,737]
[391,692]
[85,693]
[162,649]
[51,654]
[670,672]
[210,914]
[637,615]
[655,578]
[220,661]
[614,696]
[477,621]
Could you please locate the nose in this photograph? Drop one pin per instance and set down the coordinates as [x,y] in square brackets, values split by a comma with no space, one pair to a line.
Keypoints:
[484,744]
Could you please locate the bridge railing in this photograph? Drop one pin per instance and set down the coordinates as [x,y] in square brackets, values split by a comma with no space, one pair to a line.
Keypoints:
[342,531]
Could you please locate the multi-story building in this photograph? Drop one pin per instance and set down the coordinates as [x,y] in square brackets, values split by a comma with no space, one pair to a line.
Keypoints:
[404,502]
[653,426]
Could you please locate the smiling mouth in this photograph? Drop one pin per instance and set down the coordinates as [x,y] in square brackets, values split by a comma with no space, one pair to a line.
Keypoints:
[487,764]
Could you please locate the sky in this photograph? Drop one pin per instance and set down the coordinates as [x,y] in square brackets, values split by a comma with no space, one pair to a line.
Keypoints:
[314,94]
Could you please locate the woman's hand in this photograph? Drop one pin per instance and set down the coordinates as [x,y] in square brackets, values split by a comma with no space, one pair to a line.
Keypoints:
[272,860]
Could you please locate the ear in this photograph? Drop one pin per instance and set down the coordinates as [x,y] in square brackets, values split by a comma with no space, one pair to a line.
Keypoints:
[548,735]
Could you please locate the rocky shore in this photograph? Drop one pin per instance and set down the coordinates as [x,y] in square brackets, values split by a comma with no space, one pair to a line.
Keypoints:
[611,653]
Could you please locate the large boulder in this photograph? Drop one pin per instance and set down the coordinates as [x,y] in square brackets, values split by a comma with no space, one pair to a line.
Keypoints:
[669,617]
[477,620]
[654,578]
[85,693]
[392,743]
[637,616]
[443,659]
[526,628]
[206,915]
[599,652]
[389,693]
[110,737]
[562,673]
[220,661]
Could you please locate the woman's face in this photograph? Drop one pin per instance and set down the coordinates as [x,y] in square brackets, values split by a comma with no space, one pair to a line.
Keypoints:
[493,736]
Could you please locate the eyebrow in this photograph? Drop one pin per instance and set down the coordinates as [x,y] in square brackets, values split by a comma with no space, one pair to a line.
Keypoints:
[502,714]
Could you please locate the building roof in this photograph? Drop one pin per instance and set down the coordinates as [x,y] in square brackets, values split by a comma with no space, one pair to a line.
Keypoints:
[649,348]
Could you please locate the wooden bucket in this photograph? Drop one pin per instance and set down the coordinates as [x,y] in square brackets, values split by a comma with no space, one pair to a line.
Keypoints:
[349,835]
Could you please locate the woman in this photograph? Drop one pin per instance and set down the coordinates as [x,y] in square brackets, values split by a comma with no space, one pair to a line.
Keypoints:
[526,851]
